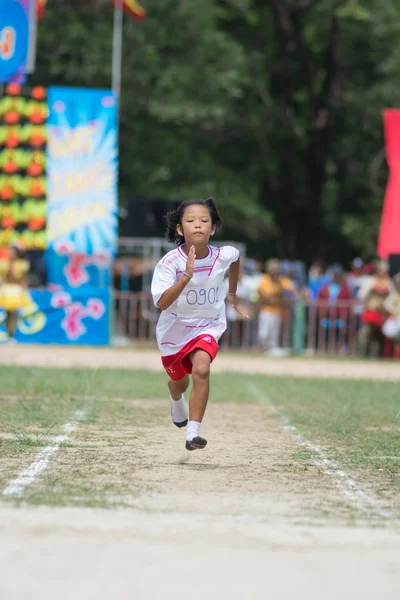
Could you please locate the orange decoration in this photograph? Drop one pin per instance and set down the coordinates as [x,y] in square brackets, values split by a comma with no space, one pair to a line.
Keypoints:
[23,165]
[12,139]
[34,170]
[13,89]
[8,222]
[37,139]
[10,167]
[39,93]
[12,117]
[37,117]
[36,189]
[36,223]
[6,193]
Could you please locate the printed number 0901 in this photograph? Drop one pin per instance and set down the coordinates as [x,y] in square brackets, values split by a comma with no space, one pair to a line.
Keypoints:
[202,296]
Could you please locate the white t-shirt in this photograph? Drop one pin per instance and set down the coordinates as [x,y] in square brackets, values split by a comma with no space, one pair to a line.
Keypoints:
[200,308]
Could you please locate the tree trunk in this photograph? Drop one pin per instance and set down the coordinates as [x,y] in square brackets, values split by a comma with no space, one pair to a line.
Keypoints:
[299,196]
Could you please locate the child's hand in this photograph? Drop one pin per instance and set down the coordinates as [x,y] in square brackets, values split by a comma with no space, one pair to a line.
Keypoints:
[233,301]
[190,261]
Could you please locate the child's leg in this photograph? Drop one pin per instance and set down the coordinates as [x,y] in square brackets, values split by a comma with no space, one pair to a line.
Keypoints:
[178,408]
[11,323]
[201,361]
[177,388]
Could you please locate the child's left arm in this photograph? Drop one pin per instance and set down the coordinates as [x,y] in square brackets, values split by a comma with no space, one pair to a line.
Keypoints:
[233,278]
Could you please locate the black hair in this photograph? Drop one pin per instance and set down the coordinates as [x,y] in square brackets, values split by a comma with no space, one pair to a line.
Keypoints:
[174,218]
[319,263]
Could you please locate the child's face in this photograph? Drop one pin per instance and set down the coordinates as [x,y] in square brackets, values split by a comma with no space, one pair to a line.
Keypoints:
[196,226]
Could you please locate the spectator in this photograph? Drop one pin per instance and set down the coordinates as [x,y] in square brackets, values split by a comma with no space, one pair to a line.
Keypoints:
[356,279]
[276,294]
[336,288]
[295,271]
[373,294]
[244,296]
[357,276]
[252,277]
[330,313]
[251,280]
[391,327]
[13,294]
[317,279]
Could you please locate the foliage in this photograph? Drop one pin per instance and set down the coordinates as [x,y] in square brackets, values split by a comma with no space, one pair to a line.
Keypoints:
[274,106]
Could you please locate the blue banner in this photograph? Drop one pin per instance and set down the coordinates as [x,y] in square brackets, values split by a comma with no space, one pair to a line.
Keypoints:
[63,317]
[82,171]
[78,270]
[14,37]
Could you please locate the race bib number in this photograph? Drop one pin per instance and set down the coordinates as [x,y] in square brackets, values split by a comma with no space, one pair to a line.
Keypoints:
[202,299]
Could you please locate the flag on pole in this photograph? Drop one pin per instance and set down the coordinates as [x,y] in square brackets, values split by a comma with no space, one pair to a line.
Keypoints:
[133,9]
[389,239]
[40,9]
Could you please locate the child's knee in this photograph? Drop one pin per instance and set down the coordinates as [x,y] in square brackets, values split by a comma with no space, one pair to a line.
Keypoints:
[181,385]
[201,370]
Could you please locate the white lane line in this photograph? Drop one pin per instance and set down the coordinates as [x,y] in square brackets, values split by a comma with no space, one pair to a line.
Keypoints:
[23,398]
[347,487]
[28,476]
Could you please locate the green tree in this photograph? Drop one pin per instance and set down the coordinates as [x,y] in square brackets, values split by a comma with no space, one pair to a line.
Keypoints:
[318,70]
[273,106]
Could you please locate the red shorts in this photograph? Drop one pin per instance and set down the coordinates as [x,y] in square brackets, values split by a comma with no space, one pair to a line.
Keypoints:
[178,365]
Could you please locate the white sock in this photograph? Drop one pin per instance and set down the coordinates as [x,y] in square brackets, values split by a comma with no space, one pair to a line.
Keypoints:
[178,410]
[193,430]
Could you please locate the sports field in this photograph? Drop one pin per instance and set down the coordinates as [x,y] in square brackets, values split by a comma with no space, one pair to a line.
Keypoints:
[296,495]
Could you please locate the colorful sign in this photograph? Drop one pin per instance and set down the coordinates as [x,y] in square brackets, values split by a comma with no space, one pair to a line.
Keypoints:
[389,237]
[82,171]
[23,139]
[78,270]
[63,317]
[14,37]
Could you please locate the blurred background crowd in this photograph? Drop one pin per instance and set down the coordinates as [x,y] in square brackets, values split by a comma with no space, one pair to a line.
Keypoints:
[359,306]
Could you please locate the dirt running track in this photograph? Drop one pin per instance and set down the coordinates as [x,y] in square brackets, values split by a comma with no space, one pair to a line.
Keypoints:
[209,529]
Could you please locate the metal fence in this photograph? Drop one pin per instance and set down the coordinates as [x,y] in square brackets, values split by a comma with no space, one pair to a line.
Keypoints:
[313,327]
[147,252]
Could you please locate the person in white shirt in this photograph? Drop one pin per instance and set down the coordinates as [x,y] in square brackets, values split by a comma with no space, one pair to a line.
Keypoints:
[188,286]
[391,326]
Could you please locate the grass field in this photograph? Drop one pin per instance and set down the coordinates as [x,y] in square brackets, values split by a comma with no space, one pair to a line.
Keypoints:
[356,423]
[99,499]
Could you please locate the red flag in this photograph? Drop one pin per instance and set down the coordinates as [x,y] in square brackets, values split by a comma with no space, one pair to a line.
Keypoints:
[40,9]
[133,9]
[389,237]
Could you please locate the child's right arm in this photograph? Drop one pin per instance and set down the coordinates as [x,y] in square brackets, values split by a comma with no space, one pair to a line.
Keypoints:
[173,292]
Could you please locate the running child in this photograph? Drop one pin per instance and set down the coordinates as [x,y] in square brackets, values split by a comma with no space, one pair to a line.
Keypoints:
[188,286]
